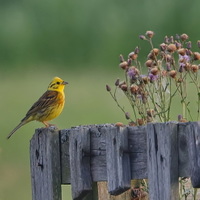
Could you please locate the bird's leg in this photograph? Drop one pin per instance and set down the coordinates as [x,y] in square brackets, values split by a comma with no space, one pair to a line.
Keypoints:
[46,124]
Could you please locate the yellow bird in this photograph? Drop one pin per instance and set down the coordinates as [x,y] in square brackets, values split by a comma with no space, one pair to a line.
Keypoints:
[47,107]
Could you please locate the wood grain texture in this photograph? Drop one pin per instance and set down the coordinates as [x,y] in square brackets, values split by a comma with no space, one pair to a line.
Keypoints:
[162,152]
[79,150]
[136,149]
[83,155]
[193,131]
[183,154]
[45,165]
[118,160]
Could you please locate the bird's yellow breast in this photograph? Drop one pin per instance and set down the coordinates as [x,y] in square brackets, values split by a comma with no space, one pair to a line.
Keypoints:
[53,110]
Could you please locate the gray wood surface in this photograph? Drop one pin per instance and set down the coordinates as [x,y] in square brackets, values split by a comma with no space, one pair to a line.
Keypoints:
[136,148]
[118,160]
[162,153]
[183,146]
[79,150]
[83,155]
[193,131]
[45,165]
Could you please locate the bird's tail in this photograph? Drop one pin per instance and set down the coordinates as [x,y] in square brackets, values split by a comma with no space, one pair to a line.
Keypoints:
[17,127]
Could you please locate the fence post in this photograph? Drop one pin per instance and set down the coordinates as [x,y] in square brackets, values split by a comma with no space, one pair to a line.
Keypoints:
[45,164]
[162,153]
[118,160]
[194,152]
[79,150]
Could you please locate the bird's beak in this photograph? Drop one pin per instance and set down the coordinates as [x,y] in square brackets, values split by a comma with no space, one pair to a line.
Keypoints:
[65,83]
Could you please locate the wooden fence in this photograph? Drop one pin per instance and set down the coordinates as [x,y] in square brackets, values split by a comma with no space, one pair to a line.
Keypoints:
[84,155]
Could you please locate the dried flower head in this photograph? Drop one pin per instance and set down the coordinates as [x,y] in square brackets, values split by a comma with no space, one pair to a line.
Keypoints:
[117,82]
[134,89]
[151,112]
[140,122]
[108,88]
[178,45]
[133,55]
[166,39]
[184,37]
[189,45]
[124,65]
[142,37]
[132,123]
[173,73]
[182,51]
[119,124]
[152,77]
[154,70]
[194,68]
[171,48]
[187,66]
[151,56]
[124,87]
[149,63]
[155,51]
[121,58]
[149,34]
[196,55]
[145,79]
[198,43]
[163,47]
[132,72]
[121,83]
[171,39]
[137,50]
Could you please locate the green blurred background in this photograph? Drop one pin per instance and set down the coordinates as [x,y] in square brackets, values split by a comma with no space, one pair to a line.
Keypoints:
[80,41]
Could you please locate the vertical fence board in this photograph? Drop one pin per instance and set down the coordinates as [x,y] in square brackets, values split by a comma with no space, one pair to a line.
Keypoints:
[183,150]
[162,152]
[79,150]
[45,165]
[98,153]
[194,152]
[65,163]
[137,141]
[118,160]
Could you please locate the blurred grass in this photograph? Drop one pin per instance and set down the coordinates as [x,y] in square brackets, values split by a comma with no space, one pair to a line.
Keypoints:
[90,32]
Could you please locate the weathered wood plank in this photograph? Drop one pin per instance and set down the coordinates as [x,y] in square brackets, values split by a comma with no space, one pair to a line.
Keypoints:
[194,152]
[98,152]
[118,160]
[65,163]
[183,150]
[45,164]
[79,150]
[137,141]
[137,149]
[162,152]
[86,150]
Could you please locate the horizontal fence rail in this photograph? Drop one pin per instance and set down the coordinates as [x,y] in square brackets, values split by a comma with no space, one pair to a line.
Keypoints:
[82,155]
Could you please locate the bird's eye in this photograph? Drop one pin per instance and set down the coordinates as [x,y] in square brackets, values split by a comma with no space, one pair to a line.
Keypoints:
[58,83]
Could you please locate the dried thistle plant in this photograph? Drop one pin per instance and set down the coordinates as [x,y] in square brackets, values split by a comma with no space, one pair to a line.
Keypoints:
[169,68]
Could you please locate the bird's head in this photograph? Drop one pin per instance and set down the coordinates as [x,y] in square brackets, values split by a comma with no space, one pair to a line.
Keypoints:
[57,84]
